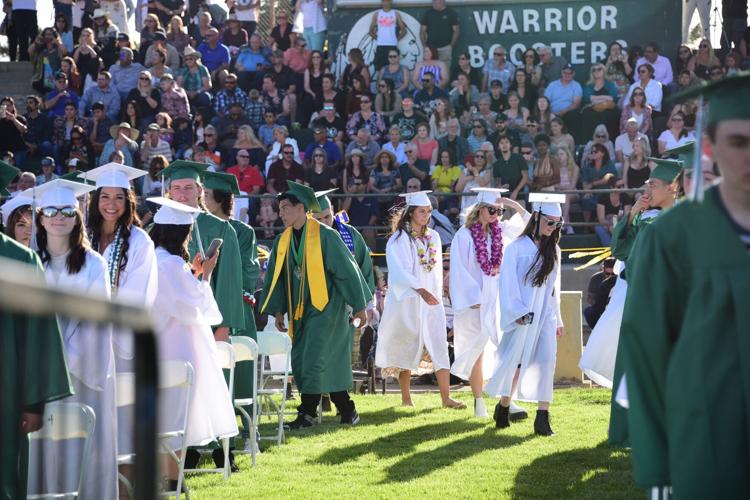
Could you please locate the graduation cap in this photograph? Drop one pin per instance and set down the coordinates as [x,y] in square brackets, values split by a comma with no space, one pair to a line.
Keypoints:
[7,173]
[184,169]
[57,193]
[489,196]
[173,212]
[9,206]
[547,203]
[113,175]
[305,195]
[665,170]
[728,97]
[323,200]
[221,182]
[77,176]
[417,199]
[684,153]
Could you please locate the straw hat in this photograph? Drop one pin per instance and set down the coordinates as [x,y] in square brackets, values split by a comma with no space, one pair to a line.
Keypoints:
[356,152]
[114,130]
[98,13]
[394,161]
[190,51]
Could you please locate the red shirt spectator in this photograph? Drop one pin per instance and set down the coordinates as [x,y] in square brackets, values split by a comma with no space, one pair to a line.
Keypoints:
[248,176]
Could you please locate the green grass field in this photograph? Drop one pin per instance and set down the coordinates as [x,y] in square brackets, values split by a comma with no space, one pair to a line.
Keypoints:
[429,452]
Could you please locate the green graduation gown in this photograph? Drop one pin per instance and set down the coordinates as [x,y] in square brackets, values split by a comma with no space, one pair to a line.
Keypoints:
[33,371]
[226,280]
[686,350]
[244,372]
[624,237]
[321,346]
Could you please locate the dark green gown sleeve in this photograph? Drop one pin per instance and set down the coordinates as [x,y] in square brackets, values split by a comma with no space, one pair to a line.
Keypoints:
[343,271]
[650,314]
[623,236]
[250,269]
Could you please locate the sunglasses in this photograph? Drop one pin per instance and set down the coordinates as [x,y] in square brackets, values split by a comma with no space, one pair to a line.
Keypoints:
[498,54]
[557,224]
[636,94]
[426,80]
[600,136]
[290,153]
[328,108]
[318,156]
[145,78]
[364,101]
[243,156]
[51,212]
[703,46]
[494,210]
[479,156]
[446,268]
[526,153]
[209,135]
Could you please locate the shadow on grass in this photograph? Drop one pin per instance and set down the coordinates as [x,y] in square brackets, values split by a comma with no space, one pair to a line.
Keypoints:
[424,463]
[598,472]
[399,443]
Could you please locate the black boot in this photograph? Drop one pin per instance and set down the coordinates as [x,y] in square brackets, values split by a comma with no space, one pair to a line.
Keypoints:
[349,413]
[501,416]
[192,457]
[302,421]
[326,403]
[218,456]
[541,424]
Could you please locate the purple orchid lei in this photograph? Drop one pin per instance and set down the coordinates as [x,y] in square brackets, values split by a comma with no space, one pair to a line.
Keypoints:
[490,265]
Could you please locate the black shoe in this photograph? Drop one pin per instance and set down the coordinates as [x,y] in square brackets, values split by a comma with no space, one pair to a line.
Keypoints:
[302,421]
[349,415]
[326,403]
[192,457]
[541,424]
[171,485]
[218,456]
[518,416]
[501,416]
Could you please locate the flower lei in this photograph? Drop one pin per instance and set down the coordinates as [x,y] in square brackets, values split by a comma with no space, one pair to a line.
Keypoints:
[490,265]
[427,258]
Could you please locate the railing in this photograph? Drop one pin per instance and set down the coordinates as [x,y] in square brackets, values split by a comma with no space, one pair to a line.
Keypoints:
[22,293]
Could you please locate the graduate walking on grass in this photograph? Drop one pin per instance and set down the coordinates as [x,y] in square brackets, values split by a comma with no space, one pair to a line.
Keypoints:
[530,315]
[34,368]
[413,316]
[685,330]
[313,279]
[71,264]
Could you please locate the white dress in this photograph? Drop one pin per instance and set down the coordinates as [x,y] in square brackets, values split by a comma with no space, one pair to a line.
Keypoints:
[184,314]
[534,346]
[598,358]
[88,351]
[409,324]
[137,284]
[472,328]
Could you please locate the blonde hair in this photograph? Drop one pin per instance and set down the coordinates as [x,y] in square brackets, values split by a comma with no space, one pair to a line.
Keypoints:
[169,26]
[570,163]
[250,135]
[154,18]
[86,31]
[472,215]
[591,72]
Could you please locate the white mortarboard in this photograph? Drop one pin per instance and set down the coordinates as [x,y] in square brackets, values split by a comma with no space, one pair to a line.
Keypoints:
[489,196]
[9,206]
[417,199]
[173,212]
[113,175]
[547,203]
[58,193]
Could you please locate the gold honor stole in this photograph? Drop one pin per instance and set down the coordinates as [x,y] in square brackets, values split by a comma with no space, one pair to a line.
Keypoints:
[312,270]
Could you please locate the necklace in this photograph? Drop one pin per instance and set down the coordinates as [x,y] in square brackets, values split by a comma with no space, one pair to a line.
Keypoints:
[113,264]
[490,264]
[427,257]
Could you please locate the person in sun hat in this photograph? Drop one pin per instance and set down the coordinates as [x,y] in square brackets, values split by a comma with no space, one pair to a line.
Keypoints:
[684,329]
[220,190]
[71,264]
[414,316]
[33,358]
[124,139]
[113,228]
[314,280]
[530,318]
[184,314]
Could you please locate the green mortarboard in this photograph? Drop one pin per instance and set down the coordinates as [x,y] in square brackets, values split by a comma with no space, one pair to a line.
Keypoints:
[183,169]
[323,200]
[665,170]
[305,195]
[684,153]
[221,182]
[728,97]
[73,176]
[7,174]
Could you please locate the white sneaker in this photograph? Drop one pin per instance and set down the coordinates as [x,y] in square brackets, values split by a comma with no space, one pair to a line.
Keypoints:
[517,412]
[480,410]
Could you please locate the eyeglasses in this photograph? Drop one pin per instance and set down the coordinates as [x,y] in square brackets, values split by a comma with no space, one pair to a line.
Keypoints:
[494,210]
[557,224]
[66,212]
[478,125]
[526,153]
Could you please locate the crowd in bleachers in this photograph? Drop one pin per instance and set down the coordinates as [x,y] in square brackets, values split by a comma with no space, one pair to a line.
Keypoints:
[205,84]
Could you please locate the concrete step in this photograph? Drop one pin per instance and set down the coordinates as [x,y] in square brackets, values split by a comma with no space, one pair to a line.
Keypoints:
[16,67]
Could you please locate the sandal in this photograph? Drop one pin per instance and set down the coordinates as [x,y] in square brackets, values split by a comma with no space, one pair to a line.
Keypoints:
[455,405]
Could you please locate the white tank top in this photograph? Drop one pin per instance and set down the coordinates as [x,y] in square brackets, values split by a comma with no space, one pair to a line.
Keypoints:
[387,28]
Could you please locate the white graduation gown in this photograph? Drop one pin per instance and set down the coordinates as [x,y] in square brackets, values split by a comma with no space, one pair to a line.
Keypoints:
[137,284]
[408,324]
[184,313]
[533,346]
[90,357]
[598,358]
[472,328]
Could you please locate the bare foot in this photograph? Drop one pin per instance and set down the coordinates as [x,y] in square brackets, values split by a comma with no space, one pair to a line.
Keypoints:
[408,404]
[452,403]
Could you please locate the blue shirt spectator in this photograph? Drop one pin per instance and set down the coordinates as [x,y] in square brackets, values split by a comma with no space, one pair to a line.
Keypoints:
[213,53]
[103,92]
[321,141]
[125,73]
[564,94]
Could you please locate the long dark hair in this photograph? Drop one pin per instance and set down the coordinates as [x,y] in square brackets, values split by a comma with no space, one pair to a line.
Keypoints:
[401,220]
[77,240]
[127,220]
[15,216]
[546,255]
[391,94]
[172,237]
[226,200]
